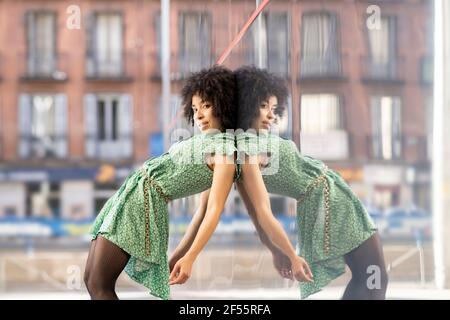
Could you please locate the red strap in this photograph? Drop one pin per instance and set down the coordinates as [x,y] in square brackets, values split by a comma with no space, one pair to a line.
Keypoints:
[241,33]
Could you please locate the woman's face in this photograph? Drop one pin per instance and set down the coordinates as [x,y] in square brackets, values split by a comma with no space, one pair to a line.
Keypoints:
[266,114]
[203,114]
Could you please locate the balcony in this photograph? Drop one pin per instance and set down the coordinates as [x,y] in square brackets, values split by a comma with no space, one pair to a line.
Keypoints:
[320,68]
[120,148]
[392,72]
[45,147]
[389,148]
[331,145]
[49,69]
[407,148]
[121,70]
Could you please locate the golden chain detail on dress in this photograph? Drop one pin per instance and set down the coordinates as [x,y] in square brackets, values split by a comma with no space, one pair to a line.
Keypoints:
[147,182]
[319,180]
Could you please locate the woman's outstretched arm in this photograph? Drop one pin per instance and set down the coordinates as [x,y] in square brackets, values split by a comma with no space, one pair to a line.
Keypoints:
[191,231]
[280,260]
[256,190]
[224,169]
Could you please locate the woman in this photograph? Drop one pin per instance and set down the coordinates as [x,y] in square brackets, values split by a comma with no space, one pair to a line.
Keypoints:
[131,230]
[334,227]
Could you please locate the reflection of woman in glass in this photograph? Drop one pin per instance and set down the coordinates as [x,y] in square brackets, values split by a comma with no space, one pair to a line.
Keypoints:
[334,227]
[131,230]
[253,191]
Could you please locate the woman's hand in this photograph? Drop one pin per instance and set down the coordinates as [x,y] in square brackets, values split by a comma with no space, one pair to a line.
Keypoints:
[172,261]
[282,264]
[181,271]
[301,270]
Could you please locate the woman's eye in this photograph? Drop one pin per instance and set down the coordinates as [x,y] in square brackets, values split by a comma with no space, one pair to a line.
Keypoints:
[206,106]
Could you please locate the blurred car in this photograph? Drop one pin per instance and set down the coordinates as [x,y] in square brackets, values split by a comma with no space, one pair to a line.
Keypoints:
[408,222]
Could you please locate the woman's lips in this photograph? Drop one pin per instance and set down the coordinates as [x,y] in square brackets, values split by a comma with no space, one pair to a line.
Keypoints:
[266,124]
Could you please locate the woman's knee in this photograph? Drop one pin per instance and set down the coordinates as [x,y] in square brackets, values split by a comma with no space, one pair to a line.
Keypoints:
[97,286]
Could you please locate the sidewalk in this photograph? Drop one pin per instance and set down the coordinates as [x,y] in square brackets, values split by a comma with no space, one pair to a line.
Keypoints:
[396,291]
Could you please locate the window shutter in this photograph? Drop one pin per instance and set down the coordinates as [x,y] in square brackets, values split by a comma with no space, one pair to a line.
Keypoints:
[61,125]
[91,124]
[126,125]
[24,125]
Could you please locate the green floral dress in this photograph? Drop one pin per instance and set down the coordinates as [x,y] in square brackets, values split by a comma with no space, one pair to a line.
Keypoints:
[331,220]
[136,217]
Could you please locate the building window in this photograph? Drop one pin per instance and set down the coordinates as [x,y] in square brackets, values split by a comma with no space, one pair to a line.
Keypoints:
[108,125]
[272,44]
[105,45]
[107,118]
[194,41]
[320,52]
[43,125]
[382,62]
[386,127]
[320,113]
[41,43]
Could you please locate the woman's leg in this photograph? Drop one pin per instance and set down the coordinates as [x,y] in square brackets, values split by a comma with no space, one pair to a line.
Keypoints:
[108,262]
[369,276]
[88,267]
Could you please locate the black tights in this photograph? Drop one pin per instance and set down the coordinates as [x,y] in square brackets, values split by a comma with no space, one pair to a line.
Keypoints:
[104,264]
[106,261]
[369,277]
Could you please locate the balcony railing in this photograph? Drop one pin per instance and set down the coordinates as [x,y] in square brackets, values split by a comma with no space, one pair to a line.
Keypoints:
[123,68]
[392,71]
[109,149]
[409,148]
[45,147]
[331,145]
[54,68]
[321,68]
[384,148]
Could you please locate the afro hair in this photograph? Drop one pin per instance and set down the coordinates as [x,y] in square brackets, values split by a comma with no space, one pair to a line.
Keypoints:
[255,86]
[216,85]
